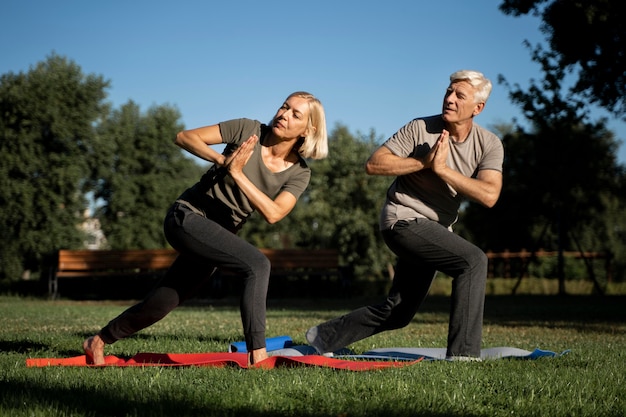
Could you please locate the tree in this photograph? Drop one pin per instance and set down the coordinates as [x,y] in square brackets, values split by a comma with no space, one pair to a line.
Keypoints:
[561,179]
[588,36]
[46,124]
[340,209]
[138,173]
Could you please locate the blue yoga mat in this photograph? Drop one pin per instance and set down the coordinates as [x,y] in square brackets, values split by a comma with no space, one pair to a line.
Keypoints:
[283,346]
[440,353]
[271,343]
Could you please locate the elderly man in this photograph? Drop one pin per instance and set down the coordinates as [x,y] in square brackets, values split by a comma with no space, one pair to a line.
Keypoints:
[437,161]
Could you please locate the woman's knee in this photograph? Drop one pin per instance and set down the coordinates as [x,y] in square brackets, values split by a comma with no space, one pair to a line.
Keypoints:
[255,266]
[160,303]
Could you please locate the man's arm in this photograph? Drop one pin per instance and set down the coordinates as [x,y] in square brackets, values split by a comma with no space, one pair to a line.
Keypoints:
[484,189]
[385,162]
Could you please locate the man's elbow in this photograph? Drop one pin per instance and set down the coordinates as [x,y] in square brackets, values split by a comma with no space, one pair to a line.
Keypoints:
[490,200]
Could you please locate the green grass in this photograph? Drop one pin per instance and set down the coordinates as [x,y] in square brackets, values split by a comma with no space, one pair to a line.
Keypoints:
[589,381]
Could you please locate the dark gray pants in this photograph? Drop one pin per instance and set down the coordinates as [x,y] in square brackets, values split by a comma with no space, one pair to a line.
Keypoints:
[423,247]
[204,246]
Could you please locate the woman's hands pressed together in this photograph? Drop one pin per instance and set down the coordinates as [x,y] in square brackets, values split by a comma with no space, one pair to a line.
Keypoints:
[235,162]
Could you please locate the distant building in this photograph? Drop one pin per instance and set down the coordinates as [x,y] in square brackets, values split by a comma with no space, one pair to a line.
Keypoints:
[94,236]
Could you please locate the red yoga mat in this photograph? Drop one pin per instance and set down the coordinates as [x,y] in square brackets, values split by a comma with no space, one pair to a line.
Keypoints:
[221,360]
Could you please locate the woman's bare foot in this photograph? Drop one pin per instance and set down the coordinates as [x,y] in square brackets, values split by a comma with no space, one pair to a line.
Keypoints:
[94,350]
[257,355]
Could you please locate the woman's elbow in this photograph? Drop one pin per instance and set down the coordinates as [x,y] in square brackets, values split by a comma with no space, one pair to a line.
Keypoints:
[274,218]
[271,220]
[179,140]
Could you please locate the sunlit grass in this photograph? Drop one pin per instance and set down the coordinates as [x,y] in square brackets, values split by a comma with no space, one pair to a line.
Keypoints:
[589,381]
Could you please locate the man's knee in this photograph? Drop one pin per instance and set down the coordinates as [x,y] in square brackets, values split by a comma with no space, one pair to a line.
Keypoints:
[474,259]
[398,313]
[481,262]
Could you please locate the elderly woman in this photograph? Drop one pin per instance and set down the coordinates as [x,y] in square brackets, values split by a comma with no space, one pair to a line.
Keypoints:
[262,169]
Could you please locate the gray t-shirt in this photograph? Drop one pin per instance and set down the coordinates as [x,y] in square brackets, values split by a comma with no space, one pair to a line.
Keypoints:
[217,195]
[423,194]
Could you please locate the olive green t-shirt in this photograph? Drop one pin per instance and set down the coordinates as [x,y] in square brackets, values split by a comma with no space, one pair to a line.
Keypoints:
[218,196]
[423,194]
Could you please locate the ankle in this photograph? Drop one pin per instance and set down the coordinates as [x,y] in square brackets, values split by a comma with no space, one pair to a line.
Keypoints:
[257,355]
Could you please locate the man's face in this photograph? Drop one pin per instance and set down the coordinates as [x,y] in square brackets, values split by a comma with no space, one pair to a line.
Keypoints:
[458,103]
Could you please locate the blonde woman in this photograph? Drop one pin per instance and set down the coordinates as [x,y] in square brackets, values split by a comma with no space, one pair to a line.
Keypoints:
[263,169]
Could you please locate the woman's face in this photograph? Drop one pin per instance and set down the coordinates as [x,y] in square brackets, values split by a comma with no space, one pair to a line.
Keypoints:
[292,118]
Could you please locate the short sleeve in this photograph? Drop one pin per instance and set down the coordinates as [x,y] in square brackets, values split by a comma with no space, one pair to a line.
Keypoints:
[493,158]
[236,131]
[298,182]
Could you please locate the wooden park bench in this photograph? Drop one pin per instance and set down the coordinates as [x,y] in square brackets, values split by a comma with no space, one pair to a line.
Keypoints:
[108,263]
[287,263]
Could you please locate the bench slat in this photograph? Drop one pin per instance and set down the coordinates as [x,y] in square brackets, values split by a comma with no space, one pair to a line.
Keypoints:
[103,259]
[302,258]
[84,263]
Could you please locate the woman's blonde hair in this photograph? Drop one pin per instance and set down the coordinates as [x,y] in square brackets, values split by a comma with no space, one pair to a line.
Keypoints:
[315,144]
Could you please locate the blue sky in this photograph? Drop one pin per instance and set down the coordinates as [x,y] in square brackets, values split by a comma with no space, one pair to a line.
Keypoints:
[374,65]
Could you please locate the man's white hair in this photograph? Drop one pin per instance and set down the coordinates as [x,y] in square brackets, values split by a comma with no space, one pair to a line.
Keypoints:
[481,84]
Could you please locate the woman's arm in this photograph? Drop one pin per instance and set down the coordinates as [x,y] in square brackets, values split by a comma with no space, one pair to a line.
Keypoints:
[198,142]
[271,210]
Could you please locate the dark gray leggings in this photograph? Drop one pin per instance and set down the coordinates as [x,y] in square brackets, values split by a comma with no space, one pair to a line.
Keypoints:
[204,246]
[423,247]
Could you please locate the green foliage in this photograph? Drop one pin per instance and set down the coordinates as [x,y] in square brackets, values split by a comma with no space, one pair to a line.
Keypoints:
[138,173]
[563,187]
[588,381]
[588,36]
[46,126]
[63,147]
[340,209]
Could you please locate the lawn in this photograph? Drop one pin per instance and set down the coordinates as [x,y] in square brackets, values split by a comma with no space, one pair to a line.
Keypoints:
[588,381]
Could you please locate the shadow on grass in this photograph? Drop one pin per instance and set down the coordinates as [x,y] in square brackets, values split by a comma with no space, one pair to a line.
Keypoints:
[150,337]
[585,313]
[498,308]
[20,346]
[18,396]
[556,308]
[89,401]
[34,349]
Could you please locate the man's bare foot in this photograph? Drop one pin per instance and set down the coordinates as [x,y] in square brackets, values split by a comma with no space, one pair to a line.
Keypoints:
[94,350]
[257,355]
